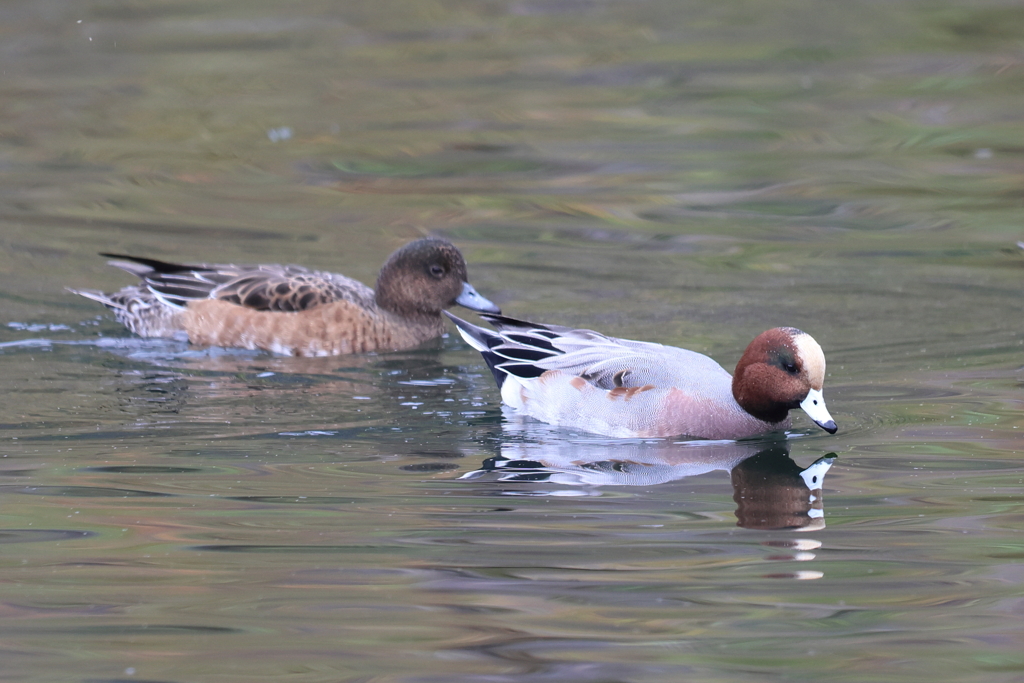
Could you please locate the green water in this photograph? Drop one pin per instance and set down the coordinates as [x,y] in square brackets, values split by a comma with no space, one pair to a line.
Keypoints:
[687,173]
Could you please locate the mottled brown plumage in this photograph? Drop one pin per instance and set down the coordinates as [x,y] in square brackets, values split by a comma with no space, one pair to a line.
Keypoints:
[292,310]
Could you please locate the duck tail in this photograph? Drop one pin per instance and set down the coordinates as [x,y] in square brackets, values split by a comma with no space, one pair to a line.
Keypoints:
[504,323]
[141,267]
[482,340]
[97,295]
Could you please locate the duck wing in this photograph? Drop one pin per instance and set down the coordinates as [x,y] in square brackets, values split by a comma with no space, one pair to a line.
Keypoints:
[527,350]
[272,287]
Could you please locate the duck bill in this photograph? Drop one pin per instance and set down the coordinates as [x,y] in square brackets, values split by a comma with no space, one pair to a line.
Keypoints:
[814,406]
[471,299]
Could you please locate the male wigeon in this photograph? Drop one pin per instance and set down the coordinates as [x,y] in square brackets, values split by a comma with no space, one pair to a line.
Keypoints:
[292,310]
[623,388]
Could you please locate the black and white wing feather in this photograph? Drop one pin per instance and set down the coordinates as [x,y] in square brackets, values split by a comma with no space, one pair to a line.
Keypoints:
[527,350]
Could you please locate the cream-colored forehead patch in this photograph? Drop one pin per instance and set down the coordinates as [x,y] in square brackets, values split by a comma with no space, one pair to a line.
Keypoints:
[812,358]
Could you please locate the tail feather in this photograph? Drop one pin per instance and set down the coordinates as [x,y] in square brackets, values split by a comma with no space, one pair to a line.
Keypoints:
[475,336]
[482,340]
[137,264]
[504,323]
[174,284]
[97,295]
[146,309]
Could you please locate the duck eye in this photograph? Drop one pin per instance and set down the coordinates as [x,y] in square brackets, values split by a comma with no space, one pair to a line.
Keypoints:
[436,270]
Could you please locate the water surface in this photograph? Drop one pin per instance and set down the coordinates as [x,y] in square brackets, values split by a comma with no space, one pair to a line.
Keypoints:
[689,174]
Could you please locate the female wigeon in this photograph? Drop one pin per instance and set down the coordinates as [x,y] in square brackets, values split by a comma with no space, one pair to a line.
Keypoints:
[623,388]
[292,310]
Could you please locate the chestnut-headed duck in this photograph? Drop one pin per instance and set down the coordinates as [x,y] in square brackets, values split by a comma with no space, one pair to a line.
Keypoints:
[292,310]
[623,388]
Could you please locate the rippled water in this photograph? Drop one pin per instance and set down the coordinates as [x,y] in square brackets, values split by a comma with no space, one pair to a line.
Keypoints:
[685,173]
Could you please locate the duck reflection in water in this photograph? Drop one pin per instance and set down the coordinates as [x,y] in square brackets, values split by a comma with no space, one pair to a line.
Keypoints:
[771,491]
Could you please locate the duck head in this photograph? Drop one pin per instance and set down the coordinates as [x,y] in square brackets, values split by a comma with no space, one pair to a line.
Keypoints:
[425,277]
[782,369]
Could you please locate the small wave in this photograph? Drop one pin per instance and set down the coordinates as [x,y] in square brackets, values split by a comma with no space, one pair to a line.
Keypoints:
[38,327]
[151,350]
[442,381]
[311,432]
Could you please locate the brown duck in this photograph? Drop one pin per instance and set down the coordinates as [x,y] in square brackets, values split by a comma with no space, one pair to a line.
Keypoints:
[292,310]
